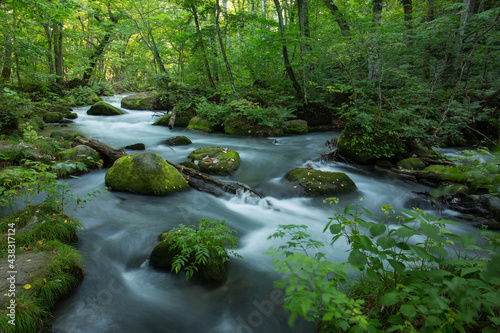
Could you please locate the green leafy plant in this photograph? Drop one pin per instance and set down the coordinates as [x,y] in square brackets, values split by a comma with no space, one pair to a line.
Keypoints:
[404,273]
[196,248]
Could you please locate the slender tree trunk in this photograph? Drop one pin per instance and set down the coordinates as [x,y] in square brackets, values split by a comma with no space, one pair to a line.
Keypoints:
[58,57]
[303,14]
[228,67]
[373,57]
[339,18]
[288,66]
[204,54]
[430,17]
[264,9]
[50,60]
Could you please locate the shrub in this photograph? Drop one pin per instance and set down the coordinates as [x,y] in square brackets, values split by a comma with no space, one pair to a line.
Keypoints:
[402,274]
[198,248]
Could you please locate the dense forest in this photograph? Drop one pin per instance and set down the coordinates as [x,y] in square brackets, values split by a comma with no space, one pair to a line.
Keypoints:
[399,79]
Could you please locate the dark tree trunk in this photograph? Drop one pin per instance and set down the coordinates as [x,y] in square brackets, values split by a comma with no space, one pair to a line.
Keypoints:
[223,50]
[7,60]
[408,11]
[50,60]
[288,66]
[204,53]
[339,18]
[58,38]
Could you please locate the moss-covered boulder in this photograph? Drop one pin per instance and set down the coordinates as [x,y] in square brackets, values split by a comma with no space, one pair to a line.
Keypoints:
[296,126]
[145,173]
[60,135]
[72,115]
[364,141]
[163,120]
[104,109]
[316,182]
[241,125]
[22,151]
[76,155]
[138,102]
[216,160]
[38,122]
[179,140]
[445,173]
[200,124]
[47,267]
[53,117]
[412,163]
[447,190]
[62,109]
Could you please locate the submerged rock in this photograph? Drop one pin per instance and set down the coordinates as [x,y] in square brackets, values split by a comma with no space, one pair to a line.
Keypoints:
[179,140]
[216,160]
[52,117]
[136,146]
[316,182]
[104,109]
[163,121]
[145,173]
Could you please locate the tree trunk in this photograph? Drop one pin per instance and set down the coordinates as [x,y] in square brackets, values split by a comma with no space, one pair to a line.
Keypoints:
[228,67]
[286,61]
[264,9]
[108,154]
[339,18]
[204,54]
[303,14]
[373,57]
[50,60]
[408,11]
[58,38]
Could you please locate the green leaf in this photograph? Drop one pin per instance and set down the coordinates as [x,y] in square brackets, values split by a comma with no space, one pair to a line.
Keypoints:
[421,252]
[336,229]
[405,232]
[408,311]
[357,258]
[389,298]
[377,229]
[438,251]
[386,242]
[398,267]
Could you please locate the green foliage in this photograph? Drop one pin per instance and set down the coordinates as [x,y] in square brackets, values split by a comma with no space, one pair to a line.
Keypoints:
[219,114]
[13,108]
[83,95]
[404,273]
[202,246]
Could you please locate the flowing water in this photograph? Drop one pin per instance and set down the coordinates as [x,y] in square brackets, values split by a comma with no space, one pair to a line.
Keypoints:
[122,293]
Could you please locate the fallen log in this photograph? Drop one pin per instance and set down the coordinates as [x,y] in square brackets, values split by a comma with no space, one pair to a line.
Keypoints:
[171,121]
[108,154]
[212,185]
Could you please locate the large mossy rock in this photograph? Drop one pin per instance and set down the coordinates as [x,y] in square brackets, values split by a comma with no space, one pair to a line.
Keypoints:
[412,163]
[296,126]
[163,120]
[241,125]
[53,117]
[145,173]
[104,109]
[200,124]
[364,142]
[179,140]
[79,154]
[316,182]
[22,151]
[216,160]
[138,102]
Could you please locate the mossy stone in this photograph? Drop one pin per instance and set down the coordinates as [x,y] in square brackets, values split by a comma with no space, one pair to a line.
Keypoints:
[138,102]
[296,126]
[241,125]
[62,109]
[200,124]
[179,140]
[59,135]
[412,163]
[191,165]
[104,109]
[216,160]
[38,122]
[81,153]
[448,173]
[52,117]
[72,115]
[449,190]
[317,182]
[136,146]
[145,173]
[163,121]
